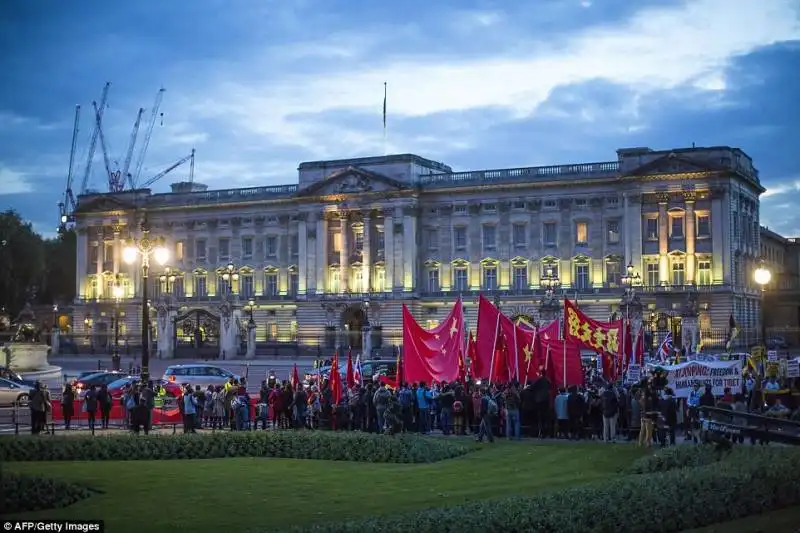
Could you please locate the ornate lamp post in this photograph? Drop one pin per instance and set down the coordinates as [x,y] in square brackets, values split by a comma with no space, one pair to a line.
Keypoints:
[549,305]
[251,304]
[145,247]
[762,276]
[119,292]
[231,275]
[366,331]
[630,280]
[168,279]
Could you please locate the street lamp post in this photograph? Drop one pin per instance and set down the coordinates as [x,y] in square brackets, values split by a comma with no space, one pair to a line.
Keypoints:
[118,294]
[366,332]
[630,280]
[55,317]
[549,303]
[230,275]
[251,304]
[762,276]
[144,247]
[168,279]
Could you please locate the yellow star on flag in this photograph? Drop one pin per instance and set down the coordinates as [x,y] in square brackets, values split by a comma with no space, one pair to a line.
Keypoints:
[436,336]
[528,353]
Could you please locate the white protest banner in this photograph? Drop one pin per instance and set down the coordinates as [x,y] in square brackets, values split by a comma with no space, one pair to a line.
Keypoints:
[793,368]
[772,355]
[682,377]
[634,374]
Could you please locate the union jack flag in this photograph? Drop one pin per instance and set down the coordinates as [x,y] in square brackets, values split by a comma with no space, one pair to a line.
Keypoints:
[666,348]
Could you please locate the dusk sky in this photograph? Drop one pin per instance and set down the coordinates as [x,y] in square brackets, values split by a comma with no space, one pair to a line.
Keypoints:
[259,86]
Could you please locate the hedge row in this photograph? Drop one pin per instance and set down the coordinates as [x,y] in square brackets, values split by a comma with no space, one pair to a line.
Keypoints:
[346,446]
[674,500]
[19,493]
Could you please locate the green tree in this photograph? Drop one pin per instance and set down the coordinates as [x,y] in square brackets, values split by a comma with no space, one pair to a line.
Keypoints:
[22,261]
[58,281]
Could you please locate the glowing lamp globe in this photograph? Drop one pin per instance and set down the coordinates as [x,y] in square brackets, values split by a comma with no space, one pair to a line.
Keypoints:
[161,255]
[129,254]
[118,291]
[762,276]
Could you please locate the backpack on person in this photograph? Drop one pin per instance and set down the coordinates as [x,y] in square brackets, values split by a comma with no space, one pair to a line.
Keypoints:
[491,407]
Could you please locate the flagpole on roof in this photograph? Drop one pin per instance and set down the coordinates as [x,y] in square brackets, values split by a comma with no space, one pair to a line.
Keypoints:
[385,148]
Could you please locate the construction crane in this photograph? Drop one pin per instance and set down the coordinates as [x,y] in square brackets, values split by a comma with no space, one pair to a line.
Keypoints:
[146,142]
[93,140]
[127,164]
[170,168]
[67,206]
[115,183]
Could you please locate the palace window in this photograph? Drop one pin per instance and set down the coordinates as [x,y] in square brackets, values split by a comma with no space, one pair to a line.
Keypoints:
[581,233]
[518,234]
[200,250]
[358,280]
[200,286]
[381,241]
[294,245]
[490,277]
[460,281]
[489,233]
[271,285]
[704,272]
[379,285]
[460,209]
[272,246]
[223,286]
[177,287]
[460,238]
[613,273]
[224,249]
[520,277]
[550,269]
[433,279]
[549,234]
[490,208]
[678,273]
[294,282]
[676,227]
[651,229]
[582,279]
[703,225]
[519,205]
[335,281]
[612,232]
[653,276]
[179,251]
[358,239]
[246,286]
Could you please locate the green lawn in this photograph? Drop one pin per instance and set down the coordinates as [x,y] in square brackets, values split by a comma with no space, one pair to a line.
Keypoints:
[210,495]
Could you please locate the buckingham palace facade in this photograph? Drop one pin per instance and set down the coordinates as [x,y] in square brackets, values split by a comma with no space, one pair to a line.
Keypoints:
[311,262]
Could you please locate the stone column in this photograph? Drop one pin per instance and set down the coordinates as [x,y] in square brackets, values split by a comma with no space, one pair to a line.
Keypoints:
[302,253]
[322,252]
[388,249]
[367,254]
[409,249]
[663,242]
[99,265]
[251,340]
[117,249]
[344,254]
[165,322]
[366,343]
[54,340]
[229,330]
[690,241]
[82,256]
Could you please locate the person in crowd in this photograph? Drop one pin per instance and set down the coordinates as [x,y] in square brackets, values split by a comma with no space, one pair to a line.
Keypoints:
[67,405]
[314,407]
[772,385]
[218,414]
[90,406]
[739,406]
[423,408]
[727,396]
[39,402]
[147,402]
[635,414]
[190,410]
[576,410]
[446,400]
[381,401]
[610,410]
[511,401]
[459,411]
[669,414]
[287,402]
[105,402]
[475,402]
[541,397]
[562,414]
[406,398]
[299,406]
[693,403]
[488,410]
[208,406]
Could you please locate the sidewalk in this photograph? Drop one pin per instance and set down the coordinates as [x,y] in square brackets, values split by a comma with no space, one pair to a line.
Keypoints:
[125,360]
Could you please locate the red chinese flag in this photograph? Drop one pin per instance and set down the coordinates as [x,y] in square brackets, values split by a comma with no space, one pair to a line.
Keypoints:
[501,368]
[605,337]
[295,380]
[349,376]
[336,381]
[432,355]
[472,352]
[550,331]
[564,366]
[486,340]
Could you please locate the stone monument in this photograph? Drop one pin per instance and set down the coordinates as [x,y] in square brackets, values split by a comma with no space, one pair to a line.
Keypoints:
[26,353]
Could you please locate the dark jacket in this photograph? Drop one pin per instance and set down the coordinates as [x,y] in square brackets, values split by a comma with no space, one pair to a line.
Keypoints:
[669,410]
[610,403]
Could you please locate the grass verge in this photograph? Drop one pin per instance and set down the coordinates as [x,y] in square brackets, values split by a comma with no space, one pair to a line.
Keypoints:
[194,495]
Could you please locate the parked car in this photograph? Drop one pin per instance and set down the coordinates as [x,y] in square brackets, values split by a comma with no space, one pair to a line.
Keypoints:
[12,392]
[11,375]
[369,369]
[198,374]
[97,379]
[117,388]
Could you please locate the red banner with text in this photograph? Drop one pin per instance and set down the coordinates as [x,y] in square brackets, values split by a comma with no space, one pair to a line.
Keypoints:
[605,338]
